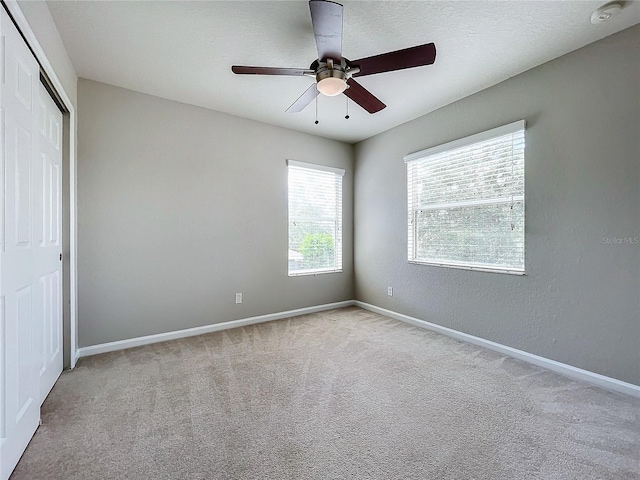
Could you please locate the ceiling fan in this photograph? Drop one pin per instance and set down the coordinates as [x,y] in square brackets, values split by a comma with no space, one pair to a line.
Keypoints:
[335,74]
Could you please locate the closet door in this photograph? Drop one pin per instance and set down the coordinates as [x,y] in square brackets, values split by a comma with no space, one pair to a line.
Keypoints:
[20,293]
[48,261]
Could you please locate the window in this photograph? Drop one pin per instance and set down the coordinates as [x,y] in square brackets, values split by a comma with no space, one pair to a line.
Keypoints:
[315,218]
[466,202]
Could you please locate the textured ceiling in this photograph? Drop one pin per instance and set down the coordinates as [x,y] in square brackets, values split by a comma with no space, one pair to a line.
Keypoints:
[183,51]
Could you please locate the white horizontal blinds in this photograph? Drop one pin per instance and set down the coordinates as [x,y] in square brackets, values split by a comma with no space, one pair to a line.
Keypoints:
[315,219]
[466,203]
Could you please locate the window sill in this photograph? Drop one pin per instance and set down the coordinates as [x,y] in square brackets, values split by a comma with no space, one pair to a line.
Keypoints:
[312,273]
[470,267]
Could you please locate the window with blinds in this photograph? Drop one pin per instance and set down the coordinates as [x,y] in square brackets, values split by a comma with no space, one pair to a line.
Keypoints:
[315,218]
[466,202]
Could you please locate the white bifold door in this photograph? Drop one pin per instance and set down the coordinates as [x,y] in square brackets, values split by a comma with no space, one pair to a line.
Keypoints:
[30,245]
[48,261]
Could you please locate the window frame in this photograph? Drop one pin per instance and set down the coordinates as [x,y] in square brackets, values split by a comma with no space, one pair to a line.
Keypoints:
[338,242]
[412,212]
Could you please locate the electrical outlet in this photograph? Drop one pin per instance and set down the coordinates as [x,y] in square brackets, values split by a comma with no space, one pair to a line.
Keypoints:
[390,291]
[238,298]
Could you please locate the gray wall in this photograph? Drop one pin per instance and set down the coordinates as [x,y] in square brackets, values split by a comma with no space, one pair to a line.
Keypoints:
[180,207]
[579,302]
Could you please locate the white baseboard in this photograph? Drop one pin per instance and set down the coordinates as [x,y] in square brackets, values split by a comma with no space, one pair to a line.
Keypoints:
[561,368]
[558,367]
[216,327]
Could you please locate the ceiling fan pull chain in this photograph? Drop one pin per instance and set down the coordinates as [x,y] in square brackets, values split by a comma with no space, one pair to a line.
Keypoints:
[317,110]
[347,115]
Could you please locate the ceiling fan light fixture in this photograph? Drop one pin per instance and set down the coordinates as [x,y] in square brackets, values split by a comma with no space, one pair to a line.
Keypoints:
[331,86]
[331,82]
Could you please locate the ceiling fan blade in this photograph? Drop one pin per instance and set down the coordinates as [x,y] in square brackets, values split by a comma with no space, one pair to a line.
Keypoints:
[363,97]
[296,72]
[398,60]
[305,99]
[327,26]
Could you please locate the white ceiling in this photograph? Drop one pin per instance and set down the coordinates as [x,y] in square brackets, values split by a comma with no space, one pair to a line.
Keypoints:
[183,51]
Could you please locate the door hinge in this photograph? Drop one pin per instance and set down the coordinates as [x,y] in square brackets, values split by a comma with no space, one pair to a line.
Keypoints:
[60,257]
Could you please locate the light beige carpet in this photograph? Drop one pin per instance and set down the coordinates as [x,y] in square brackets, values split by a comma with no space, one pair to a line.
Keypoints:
[344,394]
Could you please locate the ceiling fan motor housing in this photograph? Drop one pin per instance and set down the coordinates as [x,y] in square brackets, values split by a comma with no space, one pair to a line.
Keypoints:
[331,77]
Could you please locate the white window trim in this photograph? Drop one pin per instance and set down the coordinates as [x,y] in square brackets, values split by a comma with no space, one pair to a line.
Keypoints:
[314,166]
[463,142]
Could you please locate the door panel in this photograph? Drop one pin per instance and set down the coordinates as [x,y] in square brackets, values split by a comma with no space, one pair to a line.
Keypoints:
[24,350]
[22,201]
[54,352]
[55,196]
